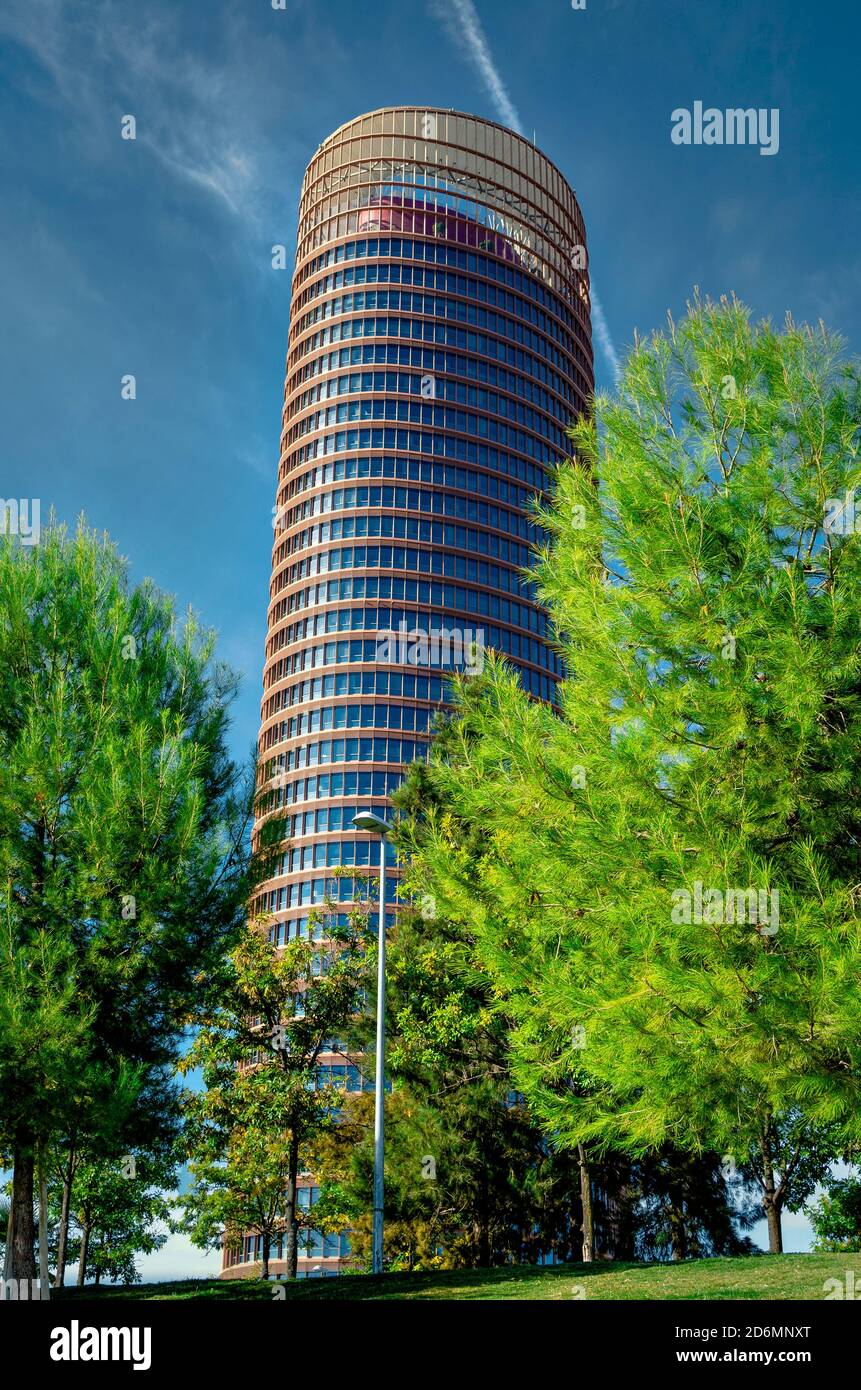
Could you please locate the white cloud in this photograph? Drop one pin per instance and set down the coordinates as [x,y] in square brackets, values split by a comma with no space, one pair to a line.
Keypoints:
[260,458]
[192,112]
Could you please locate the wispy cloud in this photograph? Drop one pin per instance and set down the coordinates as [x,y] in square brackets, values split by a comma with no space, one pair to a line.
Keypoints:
[460,19]
[191,111]
[260,458]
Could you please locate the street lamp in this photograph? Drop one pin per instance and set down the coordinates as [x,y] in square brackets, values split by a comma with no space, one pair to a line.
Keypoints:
[375,825]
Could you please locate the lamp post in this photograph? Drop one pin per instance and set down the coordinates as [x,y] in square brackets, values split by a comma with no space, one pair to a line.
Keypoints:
[375,825]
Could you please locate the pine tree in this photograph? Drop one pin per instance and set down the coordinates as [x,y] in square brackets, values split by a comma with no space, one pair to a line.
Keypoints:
[449,1050]
[666,898]
[124,866]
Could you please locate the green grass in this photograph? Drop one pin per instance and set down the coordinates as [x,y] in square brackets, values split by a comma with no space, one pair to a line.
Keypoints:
[751,1277]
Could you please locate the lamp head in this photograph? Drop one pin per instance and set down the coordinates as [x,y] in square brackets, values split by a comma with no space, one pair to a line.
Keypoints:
[375,825]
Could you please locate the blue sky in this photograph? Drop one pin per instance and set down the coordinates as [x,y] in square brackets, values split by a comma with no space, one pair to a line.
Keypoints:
[153,257]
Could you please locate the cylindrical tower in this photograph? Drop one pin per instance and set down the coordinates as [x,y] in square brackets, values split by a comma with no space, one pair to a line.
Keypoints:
[439,346]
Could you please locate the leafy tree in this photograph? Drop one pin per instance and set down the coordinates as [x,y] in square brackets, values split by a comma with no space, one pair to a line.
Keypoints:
[498,1189]
[836,1216]
[128,1140]
[124,864]
[785,1162]
[121,1208]
[240,1138]
[250,1128]
[706,747]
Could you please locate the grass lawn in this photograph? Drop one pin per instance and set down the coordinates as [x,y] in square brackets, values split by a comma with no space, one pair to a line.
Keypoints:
[752,1277]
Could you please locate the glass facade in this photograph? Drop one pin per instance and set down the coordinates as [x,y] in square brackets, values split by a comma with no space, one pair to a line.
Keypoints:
[439,346]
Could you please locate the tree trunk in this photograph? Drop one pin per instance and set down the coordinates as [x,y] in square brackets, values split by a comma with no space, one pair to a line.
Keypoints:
[484,1221]
[82,1258]
[267,1243]
[678,1228]
[586,1201]
[7,1257]
[44,1279]
[775,1230]
[63,1234]
[588,1225]
[98,1278]
[23,1262]
[291,1245]
[770,1200]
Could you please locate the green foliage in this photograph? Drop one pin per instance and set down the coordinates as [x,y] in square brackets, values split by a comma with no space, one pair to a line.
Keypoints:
[124,863]
[469,1179]
[121,1208]
[836,1216]
[240,1147]
[799,1157]
[467,1161]
[707,738]
[681,1206]
[248,1130]
[502,1189]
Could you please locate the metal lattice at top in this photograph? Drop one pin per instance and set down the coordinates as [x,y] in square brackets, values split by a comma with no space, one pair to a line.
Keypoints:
[509,180]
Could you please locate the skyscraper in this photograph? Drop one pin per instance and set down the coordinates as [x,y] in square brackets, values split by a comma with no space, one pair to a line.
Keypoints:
[439,345]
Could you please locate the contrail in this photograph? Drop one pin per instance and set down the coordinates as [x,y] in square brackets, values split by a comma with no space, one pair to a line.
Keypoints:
[602,333]
[464,27]
[462,22]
